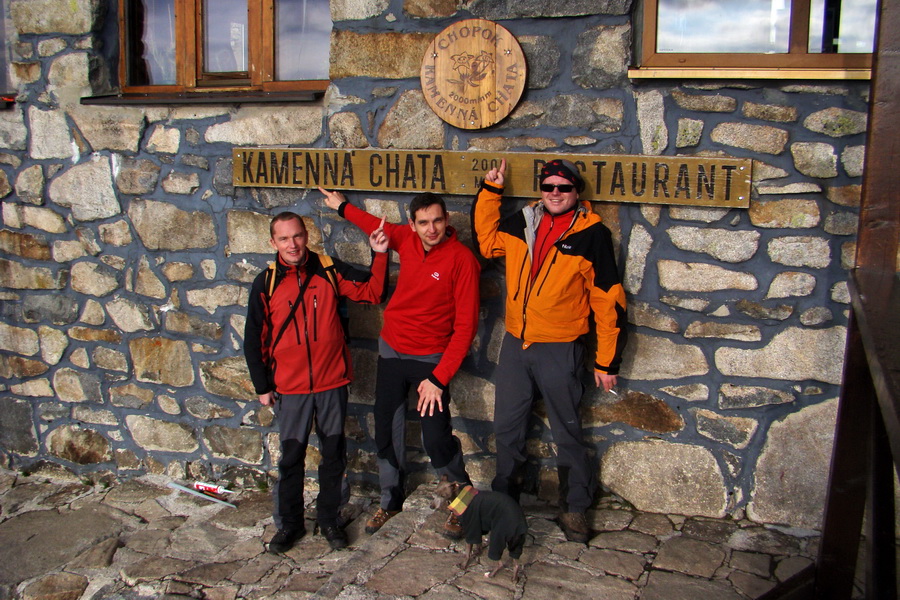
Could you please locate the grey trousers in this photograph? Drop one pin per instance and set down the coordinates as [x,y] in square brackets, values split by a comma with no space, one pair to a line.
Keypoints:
[554,369]
[296,415]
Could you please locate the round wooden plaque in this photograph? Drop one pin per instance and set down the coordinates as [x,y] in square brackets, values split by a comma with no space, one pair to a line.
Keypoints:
[473,74]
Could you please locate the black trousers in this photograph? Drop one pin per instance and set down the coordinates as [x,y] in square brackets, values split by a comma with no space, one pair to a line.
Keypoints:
[396,376]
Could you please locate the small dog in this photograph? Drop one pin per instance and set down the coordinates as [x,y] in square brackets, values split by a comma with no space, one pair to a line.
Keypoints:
[484,512]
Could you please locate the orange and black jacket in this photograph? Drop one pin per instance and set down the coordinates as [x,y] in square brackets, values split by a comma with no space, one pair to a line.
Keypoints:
[312,354]
[579,275]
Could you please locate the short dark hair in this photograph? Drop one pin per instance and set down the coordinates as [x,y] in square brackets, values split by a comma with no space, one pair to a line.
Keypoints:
[284,216]
[424,200]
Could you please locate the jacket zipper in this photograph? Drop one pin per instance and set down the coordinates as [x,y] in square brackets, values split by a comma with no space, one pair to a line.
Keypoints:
[291,306]
[315,318]
[526,294]
[308,349]
[546,274]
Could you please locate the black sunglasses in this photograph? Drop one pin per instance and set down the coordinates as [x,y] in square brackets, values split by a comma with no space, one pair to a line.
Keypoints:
[565,188]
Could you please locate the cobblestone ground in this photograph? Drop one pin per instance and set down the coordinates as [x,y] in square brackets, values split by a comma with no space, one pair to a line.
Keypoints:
[141,539]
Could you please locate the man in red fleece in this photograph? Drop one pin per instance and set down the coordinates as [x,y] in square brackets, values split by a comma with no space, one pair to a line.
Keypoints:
[429,324]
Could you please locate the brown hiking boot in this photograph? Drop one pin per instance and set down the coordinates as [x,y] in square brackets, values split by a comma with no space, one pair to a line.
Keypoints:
[380,517]
[452,528]
[574,526]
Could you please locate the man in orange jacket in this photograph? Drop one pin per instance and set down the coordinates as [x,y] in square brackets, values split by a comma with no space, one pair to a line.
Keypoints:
[560,267]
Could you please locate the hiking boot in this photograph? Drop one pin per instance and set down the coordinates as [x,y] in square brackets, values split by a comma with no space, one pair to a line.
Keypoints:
[380,517]
[574,526]
[336,537]
[452,528]
[285,539]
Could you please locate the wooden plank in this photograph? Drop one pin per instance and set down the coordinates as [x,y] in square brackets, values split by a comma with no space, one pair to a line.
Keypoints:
[845,502]
[875,297]
[692,181]
[879,225]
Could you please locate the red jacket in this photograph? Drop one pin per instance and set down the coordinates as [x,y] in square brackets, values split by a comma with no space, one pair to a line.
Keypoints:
[434,309]
[312,354]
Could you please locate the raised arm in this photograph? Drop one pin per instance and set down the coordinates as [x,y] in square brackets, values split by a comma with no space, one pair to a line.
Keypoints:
[486,213]
[365,221]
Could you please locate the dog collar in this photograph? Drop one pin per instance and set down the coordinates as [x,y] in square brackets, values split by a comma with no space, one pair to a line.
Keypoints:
[462,501]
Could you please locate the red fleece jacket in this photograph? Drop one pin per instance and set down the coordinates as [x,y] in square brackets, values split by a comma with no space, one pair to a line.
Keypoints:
[434,309]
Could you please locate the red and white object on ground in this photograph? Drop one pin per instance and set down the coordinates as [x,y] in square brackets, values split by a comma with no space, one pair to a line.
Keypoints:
[209,488]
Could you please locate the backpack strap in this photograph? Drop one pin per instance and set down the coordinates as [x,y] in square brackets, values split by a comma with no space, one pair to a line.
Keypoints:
[330,272]
[330,269]
[291,314]
[327,264]
[270,279]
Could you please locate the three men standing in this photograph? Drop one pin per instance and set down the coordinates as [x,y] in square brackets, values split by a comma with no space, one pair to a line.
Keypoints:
[429,324]
[560,267]
[298,359]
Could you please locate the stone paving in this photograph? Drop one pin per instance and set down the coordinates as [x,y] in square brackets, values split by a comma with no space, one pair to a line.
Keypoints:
[140,539]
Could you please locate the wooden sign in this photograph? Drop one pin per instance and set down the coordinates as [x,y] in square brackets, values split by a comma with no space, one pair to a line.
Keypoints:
[473,74]
[693,181]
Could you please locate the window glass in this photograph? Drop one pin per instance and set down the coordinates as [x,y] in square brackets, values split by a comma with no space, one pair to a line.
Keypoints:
[843,26]
[151,42]
[726,26]
[228,46]
[835,26]
[302,39]
[225,48]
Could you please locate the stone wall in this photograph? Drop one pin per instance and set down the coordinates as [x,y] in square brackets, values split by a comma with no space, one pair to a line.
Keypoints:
[127,255]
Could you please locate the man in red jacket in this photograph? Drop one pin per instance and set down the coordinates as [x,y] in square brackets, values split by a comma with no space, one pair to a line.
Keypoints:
[299,362]
[429,324]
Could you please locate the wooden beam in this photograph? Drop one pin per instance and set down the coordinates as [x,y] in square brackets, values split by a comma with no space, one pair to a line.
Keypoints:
[879,224]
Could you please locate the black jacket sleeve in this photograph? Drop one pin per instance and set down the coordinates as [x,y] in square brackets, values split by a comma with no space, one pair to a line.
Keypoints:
[254,329]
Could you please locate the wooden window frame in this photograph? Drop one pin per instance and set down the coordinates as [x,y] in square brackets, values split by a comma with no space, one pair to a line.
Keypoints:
[7,96]
[797,63]
[260,80]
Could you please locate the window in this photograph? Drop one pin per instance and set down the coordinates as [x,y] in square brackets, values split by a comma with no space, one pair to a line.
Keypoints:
[808,37]
[228,46]
[7,94]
